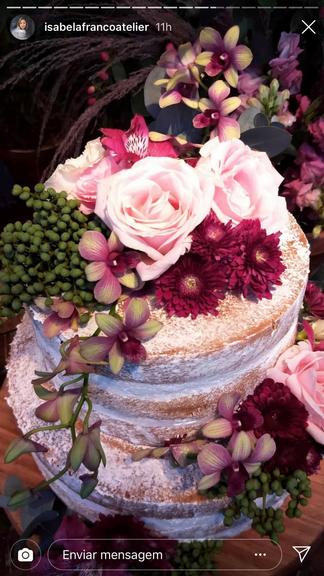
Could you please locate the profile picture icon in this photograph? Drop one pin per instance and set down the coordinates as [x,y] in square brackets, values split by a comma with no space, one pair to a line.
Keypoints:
[22,27]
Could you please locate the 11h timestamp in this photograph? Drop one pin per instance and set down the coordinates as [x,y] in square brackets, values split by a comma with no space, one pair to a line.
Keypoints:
[163,26]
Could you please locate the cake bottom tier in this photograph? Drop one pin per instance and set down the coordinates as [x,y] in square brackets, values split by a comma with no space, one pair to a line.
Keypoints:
[164,497]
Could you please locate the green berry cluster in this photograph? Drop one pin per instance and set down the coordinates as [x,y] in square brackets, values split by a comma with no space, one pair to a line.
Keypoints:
[40,257]
[192,557]
[266,520]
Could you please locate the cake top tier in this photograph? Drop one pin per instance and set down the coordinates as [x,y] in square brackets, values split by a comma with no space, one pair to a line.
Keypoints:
[167,248]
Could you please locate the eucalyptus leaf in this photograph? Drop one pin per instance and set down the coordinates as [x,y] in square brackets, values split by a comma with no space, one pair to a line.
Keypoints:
[13,484]
[177,120]
[41,502]
[152,92]
[250,118]
[269,139]
[138,104]
[118,72]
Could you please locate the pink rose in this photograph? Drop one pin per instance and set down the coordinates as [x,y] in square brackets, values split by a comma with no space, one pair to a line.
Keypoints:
[153,207]
[302,369]
[86,186]
[79,176]
[245,184]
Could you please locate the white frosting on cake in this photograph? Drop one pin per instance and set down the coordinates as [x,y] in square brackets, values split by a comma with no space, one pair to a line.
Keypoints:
[189,364]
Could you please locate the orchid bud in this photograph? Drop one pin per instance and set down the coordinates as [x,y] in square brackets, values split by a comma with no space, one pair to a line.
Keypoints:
[89,482]
[22,446]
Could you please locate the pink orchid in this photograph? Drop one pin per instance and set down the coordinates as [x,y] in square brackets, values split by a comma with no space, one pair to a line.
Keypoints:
[182,70]
[215,111]
[222,55]
[127,147]
[123,338]
[110,267]
[242,457]
[64,316]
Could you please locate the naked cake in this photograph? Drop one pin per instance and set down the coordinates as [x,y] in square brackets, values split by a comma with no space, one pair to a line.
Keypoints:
[196,275]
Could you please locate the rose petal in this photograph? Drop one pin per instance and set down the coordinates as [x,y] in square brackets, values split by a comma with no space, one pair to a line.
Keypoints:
[93,246]
[136,312]
[213,458]
[108,289]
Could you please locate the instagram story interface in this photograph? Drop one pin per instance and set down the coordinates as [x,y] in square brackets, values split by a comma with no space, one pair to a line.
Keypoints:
[162,288]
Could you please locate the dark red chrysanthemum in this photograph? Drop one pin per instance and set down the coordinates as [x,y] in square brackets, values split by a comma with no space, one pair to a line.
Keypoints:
[284,416]
[295,454]
[213,239]
[314,300]
[261,266]
[248,417]
[194,285]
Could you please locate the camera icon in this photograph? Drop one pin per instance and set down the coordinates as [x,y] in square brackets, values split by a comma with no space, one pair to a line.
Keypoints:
[25,555]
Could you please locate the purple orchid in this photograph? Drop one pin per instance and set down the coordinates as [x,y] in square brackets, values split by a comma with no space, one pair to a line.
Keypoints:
[123,338]
[215,111]
[64,316]
[222,55]
[242,457]
[110,267]
[183,75]
[58,405]
[231,418]
[127,147]
[87,449]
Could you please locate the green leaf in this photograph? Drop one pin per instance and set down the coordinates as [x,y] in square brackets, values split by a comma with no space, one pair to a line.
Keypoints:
[19,498]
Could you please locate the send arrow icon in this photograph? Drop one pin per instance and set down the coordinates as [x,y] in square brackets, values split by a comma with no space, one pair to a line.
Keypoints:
[302,552]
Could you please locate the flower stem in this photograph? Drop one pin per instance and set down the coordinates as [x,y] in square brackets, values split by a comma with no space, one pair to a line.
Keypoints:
[46,483]
[44,428]
[87,416]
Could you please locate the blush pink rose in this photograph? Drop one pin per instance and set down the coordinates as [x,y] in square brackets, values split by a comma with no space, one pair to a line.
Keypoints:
[245,184]
[153,207]
[79,176]
[302,369]
[86,186]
